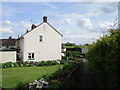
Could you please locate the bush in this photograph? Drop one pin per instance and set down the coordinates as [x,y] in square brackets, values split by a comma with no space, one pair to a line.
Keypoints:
[47,63]
[22,86]
[72,58]
[63,61]
[16,65]
[9,64]
[104,59]
[56,78]
[42,63]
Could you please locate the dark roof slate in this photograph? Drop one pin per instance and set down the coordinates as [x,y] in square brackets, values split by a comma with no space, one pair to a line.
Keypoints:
[7,42]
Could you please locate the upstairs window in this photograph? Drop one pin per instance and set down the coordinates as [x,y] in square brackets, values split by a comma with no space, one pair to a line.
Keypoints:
[30,56]
[40,38]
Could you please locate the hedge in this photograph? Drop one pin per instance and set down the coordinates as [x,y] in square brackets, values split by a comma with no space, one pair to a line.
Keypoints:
[104,59]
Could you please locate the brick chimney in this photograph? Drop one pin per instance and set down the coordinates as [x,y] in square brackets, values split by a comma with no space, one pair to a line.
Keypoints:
[27,31]
[33,26]
[10,37]
[44,19]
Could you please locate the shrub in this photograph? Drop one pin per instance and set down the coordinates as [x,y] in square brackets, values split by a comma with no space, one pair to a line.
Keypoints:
[9,64]
[16,65]
[22,86]
[104,59]
[56,78]
[72,58]
[42,63]
[63,61]
[49,63]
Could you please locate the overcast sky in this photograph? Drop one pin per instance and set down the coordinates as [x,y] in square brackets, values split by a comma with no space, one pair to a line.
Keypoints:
[79,22]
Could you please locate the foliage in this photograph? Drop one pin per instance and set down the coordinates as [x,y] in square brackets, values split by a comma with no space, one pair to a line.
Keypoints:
[56,78]
[48,63]
[69,44]
[16,65]
[63,61]
[104,58]
[29,64]
[8,65]
[21,86]
[72,53]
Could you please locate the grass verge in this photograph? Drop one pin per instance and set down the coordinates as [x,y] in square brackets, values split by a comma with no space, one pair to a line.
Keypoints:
[12,76]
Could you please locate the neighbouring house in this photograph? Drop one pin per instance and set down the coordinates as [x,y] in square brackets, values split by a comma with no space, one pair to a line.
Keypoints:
[63,51]
[85,49]
[8,50]
[42,42]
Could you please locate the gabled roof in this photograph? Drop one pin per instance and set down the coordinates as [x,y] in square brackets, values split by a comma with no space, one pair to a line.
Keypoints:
[7,42]
[41,24]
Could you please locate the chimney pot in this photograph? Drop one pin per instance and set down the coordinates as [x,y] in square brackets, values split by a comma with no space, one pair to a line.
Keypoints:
[27,31]
[10,37]
[33,26]
[44,19]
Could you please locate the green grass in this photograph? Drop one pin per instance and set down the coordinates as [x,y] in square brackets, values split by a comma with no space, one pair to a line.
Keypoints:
[12,76]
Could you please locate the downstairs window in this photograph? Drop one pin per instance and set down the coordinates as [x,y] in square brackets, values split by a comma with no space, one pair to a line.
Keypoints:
[31,56]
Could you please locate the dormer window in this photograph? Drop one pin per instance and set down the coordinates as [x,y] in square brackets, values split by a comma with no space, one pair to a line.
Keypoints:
[40,38]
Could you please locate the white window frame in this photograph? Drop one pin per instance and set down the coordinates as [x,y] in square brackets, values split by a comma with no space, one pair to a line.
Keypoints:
[31,56]
[40,38]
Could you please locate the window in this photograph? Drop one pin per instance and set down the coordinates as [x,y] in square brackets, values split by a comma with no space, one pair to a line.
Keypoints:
[7,46]
[30,56]
[41,38]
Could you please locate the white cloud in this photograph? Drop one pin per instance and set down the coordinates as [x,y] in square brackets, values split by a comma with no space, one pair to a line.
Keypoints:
[25,24]
[67,21]
[102,26]
[104,8]
[6,30]
[84,22]
[6,27]
[7,23]
[82,29]
[109,8]
[50,5]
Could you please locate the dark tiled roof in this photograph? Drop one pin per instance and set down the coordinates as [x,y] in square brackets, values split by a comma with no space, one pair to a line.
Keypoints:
[7,42]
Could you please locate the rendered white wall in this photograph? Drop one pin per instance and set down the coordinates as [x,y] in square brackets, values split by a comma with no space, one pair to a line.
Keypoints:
[8,56]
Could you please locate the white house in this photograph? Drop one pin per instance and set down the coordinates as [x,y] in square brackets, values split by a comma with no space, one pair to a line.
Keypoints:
[42,42]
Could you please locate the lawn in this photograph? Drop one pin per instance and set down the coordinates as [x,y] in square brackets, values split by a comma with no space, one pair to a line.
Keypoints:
[12,76]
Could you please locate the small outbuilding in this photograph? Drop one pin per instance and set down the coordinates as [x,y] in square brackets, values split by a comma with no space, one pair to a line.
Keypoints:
[8,55]
[7,50]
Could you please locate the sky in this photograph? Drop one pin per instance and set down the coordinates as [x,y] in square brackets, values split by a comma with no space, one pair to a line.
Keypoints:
[79,22]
